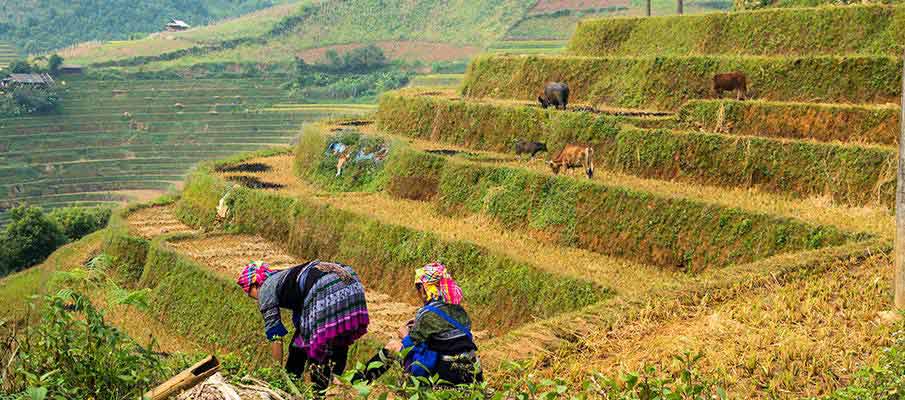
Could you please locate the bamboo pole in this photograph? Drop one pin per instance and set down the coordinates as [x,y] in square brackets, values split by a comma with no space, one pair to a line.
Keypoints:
[899,282]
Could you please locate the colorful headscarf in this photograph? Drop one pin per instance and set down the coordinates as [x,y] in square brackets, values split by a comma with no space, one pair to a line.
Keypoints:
[254,274]
[438,283]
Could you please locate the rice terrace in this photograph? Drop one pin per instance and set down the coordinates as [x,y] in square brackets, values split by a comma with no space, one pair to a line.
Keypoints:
[500,199]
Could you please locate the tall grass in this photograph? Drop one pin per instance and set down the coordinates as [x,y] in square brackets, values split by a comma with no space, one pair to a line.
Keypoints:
[850,174]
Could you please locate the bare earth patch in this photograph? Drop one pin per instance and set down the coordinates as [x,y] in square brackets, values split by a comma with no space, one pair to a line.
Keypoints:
[546,6]
[228,254]
[156,221]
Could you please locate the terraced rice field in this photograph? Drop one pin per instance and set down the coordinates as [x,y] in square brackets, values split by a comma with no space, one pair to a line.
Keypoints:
[7,54]
[787,325]
[115,137]
[226,255]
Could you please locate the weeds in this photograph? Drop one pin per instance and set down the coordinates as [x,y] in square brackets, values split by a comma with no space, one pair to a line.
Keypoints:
[74,353]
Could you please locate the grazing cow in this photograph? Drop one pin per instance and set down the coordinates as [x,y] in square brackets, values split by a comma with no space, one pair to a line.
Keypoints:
[532,148]
[556,94]
[574,156]
[731,81]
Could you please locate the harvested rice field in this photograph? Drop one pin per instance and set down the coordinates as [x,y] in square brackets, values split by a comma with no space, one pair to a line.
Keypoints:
[769,327]
[227,254]
[150,222]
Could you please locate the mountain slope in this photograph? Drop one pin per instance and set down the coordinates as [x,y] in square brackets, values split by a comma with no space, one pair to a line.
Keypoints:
[41,25]
[330,23]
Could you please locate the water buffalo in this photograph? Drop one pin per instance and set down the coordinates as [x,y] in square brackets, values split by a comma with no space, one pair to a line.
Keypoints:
[532,148]
[574,156]
[556,94]
[730,81]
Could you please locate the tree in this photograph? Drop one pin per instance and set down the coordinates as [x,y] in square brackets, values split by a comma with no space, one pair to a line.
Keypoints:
[28,239]
[76,222]
[54,64]
[364,59]
[36,100]
[334,61]
[20,67]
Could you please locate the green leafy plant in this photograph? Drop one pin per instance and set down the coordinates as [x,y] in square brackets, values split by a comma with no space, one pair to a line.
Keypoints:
[74,353]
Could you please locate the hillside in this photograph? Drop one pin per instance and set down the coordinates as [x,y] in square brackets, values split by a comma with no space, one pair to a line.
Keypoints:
[122,140]
[716,247]
[408,30]
[556,20]
[41,25]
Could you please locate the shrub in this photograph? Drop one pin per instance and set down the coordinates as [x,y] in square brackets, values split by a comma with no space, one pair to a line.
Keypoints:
[35,100]
[884,381]
[28,239]
[77,222]
[73,353]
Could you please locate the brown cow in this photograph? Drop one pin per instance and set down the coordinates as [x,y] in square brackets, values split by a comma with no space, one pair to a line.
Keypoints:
[574,156]
[730,81]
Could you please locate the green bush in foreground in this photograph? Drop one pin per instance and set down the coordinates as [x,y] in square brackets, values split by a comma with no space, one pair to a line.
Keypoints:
[74,354]
[518,381]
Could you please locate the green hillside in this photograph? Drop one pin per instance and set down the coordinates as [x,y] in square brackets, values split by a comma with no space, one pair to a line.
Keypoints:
[426,31]
[703,247]
[559,24]
[468,23]
[41,25]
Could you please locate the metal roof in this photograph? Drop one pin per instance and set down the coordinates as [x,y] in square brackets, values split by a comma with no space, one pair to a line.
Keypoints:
[30,78]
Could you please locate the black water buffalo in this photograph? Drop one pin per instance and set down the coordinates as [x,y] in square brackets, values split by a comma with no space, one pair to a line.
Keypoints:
[532,148]
[556,94]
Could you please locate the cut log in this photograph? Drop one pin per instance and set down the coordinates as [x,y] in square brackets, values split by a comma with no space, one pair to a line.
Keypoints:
[185,380]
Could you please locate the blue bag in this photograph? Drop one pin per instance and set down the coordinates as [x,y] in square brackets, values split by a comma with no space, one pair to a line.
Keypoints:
[421,360]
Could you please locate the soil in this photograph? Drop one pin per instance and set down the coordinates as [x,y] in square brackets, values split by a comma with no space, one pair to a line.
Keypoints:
[355,123]
[253,182]
[448,152]
[228,254]
[546,6]
[156,221]
[244,167]
[400,50]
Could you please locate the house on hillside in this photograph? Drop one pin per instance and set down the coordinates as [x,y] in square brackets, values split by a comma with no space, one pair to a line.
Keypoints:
[34,80]
[177,25]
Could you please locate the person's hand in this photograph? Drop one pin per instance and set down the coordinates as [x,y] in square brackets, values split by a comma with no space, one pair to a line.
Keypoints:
[403,331]
[393,346]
